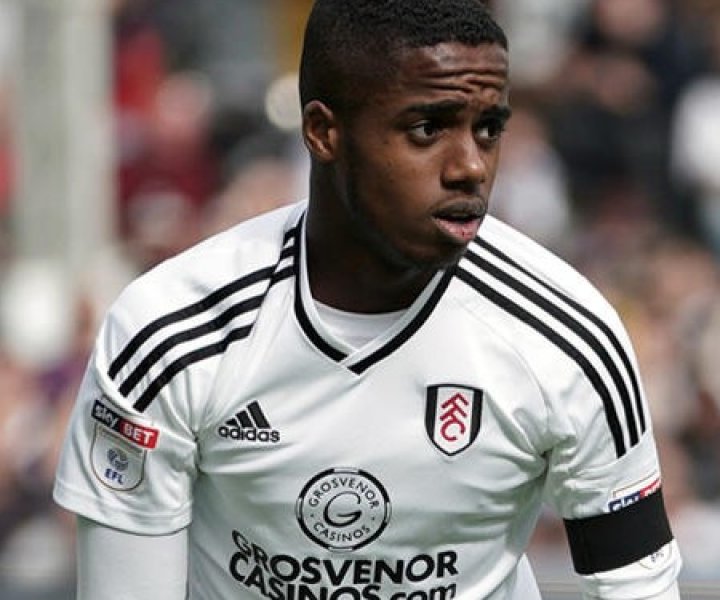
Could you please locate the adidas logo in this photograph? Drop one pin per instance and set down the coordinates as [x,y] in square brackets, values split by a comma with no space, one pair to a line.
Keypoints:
[251,425]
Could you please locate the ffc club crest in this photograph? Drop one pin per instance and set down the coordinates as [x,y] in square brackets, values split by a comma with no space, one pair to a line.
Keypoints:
[452,417]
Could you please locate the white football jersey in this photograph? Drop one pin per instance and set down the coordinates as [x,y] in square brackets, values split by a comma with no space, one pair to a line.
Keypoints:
[411,468]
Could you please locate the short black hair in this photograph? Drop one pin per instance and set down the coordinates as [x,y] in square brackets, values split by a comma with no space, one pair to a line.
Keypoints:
[349,44]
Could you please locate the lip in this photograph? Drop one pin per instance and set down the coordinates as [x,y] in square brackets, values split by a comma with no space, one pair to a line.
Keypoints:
[459,221]
[461,231]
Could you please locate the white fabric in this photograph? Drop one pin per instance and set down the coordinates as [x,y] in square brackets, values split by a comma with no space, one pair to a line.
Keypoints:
[413,465]
[671,593]
[115,565]
[355,329]
[631,582]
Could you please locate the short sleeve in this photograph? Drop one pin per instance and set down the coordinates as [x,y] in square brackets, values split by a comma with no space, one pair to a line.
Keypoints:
[125,468]
[605,482]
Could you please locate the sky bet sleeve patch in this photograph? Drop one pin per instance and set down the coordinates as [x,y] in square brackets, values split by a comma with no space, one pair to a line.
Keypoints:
[119,447]
[140,435]
[634,492]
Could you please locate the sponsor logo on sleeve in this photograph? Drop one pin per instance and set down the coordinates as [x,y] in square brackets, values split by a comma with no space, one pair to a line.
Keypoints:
[117,463]
[635,492]
[141,435]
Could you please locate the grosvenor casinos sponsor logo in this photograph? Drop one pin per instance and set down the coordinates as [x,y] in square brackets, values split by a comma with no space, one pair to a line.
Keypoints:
[343,509]
[288,577]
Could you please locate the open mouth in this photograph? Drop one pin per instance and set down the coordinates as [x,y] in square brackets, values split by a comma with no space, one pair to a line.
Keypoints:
[460,227]
[459,223]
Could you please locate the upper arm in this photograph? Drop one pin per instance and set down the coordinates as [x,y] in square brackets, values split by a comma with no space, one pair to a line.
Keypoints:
[115,565]
[604,476]
[127,468]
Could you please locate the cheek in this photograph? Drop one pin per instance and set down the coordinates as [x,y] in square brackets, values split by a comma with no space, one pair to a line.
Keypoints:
[406,179]
[387,182]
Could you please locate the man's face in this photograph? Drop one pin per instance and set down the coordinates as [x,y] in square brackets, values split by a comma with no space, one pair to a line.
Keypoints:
[418,159]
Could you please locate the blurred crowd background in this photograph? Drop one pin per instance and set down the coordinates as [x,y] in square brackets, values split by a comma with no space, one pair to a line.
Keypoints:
[611,158]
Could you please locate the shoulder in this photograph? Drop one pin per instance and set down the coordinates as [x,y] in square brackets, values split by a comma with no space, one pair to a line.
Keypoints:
[524,265]
[530,284]
[189,309]
[562,327]
[247,253]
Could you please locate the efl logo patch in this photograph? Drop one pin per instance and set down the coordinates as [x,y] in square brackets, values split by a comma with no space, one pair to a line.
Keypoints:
[138,434]
[117,463]
[633,493]
[452,416]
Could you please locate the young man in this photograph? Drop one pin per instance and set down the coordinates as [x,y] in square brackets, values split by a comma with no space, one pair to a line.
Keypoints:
[368,395]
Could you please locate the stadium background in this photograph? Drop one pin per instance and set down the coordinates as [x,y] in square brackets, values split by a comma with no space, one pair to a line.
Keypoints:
[131,128]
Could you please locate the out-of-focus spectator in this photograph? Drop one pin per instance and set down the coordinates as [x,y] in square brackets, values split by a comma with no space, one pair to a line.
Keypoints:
[35,543]
[708,351]
[696,522]
[610,107]
[652,31]
[262,172]
[47,324]
[531,190]
[21,443]
[139,60]
[174,169]
[682,287]
[540,34]
[261,185]
[696,142]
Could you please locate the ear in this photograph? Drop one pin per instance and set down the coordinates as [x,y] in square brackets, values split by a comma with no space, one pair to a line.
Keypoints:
[320,130]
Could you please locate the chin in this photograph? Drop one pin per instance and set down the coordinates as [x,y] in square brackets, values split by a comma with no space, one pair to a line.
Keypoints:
[441,260]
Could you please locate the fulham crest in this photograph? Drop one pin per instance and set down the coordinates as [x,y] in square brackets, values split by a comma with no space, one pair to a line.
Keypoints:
[452,416]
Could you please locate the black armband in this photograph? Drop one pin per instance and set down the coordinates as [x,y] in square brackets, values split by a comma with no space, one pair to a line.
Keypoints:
[613,540]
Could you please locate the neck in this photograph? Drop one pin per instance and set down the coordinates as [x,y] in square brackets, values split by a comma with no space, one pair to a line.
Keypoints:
[346,274]
[355,285]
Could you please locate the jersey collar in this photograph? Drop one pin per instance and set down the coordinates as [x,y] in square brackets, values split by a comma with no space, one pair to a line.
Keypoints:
[361,359]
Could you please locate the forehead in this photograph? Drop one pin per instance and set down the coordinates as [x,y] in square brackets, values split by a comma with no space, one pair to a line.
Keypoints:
[480,72]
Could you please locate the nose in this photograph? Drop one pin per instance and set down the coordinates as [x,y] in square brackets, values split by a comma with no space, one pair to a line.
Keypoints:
[465,167]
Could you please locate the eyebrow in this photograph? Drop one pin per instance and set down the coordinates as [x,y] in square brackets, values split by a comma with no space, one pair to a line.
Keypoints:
[444,107]
[498,111]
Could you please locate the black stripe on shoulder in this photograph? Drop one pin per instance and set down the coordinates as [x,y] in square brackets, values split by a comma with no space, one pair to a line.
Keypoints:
[195,309]
[574,325]
[270,274]
[562,314]
[167,344]
[617,539]
[199,354]
[185,361]
[590,316]
[563,344]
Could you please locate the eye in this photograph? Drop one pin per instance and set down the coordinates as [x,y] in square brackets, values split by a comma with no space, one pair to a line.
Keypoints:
[424,131]
[489,130]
